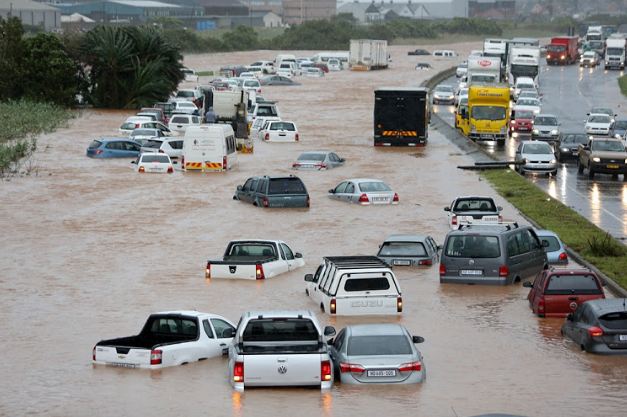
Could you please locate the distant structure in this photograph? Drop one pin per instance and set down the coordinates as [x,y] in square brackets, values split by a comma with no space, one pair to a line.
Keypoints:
[32,13]
[299,11]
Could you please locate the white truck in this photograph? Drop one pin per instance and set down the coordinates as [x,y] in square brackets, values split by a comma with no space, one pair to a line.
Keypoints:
[615,51]
[483,70]
[280,348]
[167,339]
[368,54]
[355,286]
[254,259]
[498,48]
[524,61]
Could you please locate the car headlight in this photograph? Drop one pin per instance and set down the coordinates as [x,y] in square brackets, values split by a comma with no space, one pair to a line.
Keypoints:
[564,149]
[626,161]
[595,159]
[553,161]
[536,131]
[617,136]
[536,111]
[554,132]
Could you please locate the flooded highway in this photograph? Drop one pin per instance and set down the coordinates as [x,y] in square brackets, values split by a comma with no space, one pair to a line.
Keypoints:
[91,248]
[569,92]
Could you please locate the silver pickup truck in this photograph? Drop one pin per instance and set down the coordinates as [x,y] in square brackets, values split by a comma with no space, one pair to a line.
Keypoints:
[280,348]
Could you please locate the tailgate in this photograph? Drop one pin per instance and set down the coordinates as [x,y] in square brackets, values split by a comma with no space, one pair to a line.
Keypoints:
[234,271]
[366,305]
[282,369]
[123,356]
[288,200]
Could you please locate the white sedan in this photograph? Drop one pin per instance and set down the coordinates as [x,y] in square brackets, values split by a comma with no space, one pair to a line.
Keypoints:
[528,104]
[598,124]
[153,162]
[364,191]
[280,131]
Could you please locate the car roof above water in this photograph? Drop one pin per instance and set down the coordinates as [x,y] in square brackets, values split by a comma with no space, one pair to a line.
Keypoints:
[406,238]
[387,329]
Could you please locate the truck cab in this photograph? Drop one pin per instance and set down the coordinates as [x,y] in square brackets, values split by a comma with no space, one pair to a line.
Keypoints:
[488,113]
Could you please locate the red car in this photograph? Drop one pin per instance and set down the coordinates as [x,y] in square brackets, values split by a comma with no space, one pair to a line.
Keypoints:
[522,122]
[558,292]
[322,66]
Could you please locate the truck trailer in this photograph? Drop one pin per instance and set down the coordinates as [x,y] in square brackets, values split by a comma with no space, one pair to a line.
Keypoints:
[484,70]
[401,116]
[368,54]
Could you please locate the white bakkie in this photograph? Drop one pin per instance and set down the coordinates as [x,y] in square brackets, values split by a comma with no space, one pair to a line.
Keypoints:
[167,339]
[254,259]
[280,348]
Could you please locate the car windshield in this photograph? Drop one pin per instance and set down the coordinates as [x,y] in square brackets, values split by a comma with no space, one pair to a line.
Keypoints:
[473,246]
[128,126]
[185,94]
[552,242]
[444,89]
[608,145]
[283,126]
[474,204]
[373,186]
[186,104]
[312,157]
[266,111]
[527,102]
[537,148]
[615,321]
[94,144]
[524,114]
[402,249]
[488,113]
[162,159]
[545,121]
[571,284]
[620,124]
[378,345]
[144,132]
[578,138]
[152,143]
[286,186]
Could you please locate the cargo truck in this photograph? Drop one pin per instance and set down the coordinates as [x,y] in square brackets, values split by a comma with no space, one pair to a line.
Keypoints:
[368,54]
[487,117]
[562,50]
[483,70]
[230,106]
[615,52]
[498,48]
[524,62]
[401,116]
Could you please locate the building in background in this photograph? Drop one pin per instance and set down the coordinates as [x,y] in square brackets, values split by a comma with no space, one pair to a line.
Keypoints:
[299,11]
[130,11]
[274,6]
[32,13]
[379,11]
[224,7]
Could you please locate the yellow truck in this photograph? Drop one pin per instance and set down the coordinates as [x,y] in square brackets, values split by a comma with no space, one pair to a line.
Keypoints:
[487,114]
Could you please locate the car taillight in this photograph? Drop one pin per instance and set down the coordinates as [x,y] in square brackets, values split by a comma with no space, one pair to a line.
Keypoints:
[224,163]
[563,256]
[136,125]
[321,166]
[208,270]
[352,368]
[395,199]
[410,367]
[503,271]
[155,357]
[399,304]
[93,354]
[170,169]
[266,136]
[295,165]
[265,202]
[500,219]
[238,372]
[332,306]
[161,151]
[595,331]
[541,305]
[427,262]
[454,220]
[442,269]
[259,272]
[98,151]
[297,137]
[364,199]
[141,169]
[325,371]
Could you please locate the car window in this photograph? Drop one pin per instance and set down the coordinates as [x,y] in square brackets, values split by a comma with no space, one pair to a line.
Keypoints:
[289,185]
[366,284]
[552,242]
[176,144]
[616,321]
[334,158]
[340,189]
[373,186]
[350,188]
[221,327]
[128,126]
[339,340]
[572,284]
[474,204]
[588,316]
[283,126]
[247,185]
[269,330]
[179,119]
[378,345]
[152,143]
[311,157]
[115,146]
[523,241]
[512,246]
[252,249]
[402,249]
[94,144]
[289,255]
[167,325]
[207,327]
[159,158]
[473,246]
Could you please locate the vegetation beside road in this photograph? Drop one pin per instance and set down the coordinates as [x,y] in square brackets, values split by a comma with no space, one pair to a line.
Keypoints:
[622,83]
[595,245]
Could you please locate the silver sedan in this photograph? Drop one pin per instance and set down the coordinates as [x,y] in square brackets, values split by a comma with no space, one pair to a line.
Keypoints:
[364,191]
[318,160]
[377,354]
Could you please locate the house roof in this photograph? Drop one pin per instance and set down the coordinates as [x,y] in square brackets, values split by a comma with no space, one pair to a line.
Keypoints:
[372,9]
[24,5]
[145,3]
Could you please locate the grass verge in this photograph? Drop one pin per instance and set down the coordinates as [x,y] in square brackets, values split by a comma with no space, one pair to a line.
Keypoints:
[595,245]
[22,121]
[622,83]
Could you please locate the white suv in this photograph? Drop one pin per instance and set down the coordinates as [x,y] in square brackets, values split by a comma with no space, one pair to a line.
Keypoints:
[180,122]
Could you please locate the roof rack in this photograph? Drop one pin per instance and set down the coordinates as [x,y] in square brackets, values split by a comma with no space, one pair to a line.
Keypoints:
[505,225]
[344,262]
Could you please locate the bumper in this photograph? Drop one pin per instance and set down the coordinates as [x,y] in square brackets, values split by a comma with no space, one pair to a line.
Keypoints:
[540,168]
[603,349]
[605,168]
[240,386]
[405,261]
[545,137]
[456,279]
[414,378]
[444,100]
[487,136]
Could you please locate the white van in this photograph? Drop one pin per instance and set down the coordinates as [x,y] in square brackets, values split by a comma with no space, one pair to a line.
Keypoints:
[355,286]
[284,57]
[209,147]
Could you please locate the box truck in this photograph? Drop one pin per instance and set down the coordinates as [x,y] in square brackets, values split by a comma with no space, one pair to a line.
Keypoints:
[401,116]
[368,54]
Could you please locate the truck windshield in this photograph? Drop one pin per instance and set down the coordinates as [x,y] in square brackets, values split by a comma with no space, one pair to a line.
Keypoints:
[615,51]
[477,78]
[555,48]
[488,113]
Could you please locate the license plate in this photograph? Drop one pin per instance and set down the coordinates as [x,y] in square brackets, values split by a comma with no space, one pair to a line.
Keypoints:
[402,263]
[612,166]
[622,337]
[384,372]
[486,136]
[124,365]
[379,199]
[471,272]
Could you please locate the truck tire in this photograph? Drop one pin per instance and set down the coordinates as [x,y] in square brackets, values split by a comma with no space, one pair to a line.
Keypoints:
[500,142]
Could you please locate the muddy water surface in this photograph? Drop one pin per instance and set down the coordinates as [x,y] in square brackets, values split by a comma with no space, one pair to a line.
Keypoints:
[90,248]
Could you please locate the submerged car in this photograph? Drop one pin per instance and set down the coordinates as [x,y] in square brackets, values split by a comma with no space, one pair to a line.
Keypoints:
[409,250]
[113,148]
[273,192]
[364,191]
[473,210]
[318,160]
[377,354]
[554,248]
[277,80]
[152,162]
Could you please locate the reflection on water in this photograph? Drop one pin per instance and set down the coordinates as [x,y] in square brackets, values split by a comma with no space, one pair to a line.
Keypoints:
[595,203]
[552,188]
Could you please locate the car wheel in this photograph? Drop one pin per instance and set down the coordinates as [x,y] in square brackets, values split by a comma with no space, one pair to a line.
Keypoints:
[579,167]
[554,173]
[500,142]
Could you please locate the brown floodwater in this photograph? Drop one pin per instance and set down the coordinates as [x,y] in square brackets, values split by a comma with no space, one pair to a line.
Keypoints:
[90,248]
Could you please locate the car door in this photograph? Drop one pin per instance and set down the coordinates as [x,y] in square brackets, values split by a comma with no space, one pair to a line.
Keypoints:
[290,260]
[335,350]
[536,291]
[131,149]
[339,191]
[333,160]
[245,193]
[435,256]
[224,332]
[349,194]
[518,157]
[537,256]
[260,191]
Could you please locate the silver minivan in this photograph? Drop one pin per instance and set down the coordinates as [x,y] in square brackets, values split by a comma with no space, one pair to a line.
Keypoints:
[495,254]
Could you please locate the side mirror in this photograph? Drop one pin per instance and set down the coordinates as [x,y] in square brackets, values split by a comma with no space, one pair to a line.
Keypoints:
[298,255]
[342,160]
[417,339]
[439,247]
[447,209]
[545,243]
[527,284]
[133,162]
[331,341]
[329,331]
[603,282]
[228,333]
[239,188]
[499,208]
[309,277]
[332,191]
[570,317]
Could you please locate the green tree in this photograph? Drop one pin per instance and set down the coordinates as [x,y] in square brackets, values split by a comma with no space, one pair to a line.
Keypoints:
[11,58]
[241,38]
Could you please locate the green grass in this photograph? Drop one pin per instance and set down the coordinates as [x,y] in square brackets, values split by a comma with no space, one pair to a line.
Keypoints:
[449,38]
[576,231]
[204,73]
[622,83]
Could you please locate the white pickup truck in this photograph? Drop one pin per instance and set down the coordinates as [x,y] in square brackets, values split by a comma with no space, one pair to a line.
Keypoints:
[168,339]
[254,259]
[280,348]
